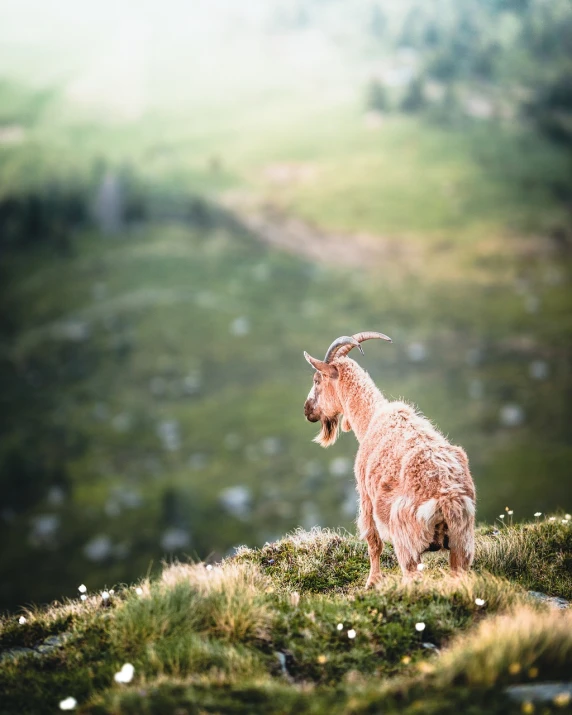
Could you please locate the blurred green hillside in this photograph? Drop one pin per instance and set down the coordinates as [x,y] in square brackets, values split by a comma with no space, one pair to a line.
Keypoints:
[177,226]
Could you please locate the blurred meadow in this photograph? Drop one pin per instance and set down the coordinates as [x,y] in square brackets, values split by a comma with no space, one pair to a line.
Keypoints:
[191,194]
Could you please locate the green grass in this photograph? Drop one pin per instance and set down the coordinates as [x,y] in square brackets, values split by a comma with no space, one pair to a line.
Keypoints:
[259,633]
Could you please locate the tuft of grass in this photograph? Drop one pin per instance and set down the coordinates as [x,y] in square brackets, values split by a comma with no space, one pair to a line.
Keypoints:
[522,645]
[536,555]
[192,619]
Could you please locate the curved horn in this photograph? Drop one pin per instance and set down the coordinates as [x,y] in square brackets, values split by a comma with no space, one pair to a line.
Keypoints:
[345,340]
[355,341]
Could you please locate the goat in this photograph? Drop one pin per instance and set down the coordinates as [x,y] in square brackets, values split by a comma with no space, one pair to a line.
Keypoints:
[415,488]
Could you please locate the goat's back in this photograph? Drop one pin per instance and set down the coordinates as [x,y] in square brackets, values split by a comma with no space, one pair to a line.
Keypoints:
[405,456]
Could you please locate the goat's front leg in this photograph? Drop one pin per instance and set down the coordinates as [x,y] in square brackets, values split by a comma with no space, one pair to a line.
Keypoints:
[368,531]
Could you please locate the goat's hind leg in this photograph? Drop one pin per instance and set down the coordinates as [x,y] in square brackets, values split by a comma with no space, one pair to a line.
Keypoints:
[368,531]
[461,524]
[462,550]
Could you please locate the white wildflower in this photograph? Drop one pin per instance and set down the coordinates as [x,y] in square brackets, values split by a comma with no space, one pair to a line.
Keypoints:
[139,591]
[420,567]
[82,588]
[21,620]
[351,634]
[83,597]
[537,513]
[105,595]
[111,592]
[480,601]
[420,627]
[209,567]
[564,521]
[340,626]
[125,675]
[568,516]
[552,518]
[68,704]
[510,512]
[501,516]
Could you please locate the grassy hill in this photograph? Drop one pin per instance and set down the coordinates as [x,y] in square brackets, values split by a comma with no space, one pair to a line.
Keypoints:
[289,627]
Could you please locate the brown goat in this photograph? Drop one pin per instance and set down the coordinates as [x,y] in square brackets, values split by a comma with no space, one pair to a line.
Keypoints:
[415,488]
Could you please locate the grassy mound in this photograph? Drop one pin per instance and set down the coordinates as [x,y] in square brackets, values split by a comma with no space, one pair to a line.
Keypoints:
[290,627]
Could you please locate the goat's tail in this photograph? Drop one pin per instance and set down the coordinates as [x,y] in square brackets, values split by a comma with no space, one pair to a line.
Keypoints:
[459,518]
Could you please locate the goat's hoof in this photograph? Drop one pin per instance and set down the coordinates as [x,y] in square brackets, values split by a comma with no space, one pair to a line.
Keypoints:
[372,582]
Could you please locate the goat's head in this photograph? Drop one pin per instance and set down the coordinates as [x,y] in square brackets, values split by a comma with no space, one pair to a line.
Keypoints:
[323,402]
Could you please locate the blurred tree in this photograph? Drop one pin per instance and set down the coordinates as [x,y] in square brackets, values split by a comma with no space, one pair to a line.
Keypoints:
[377,98]
[377,22]
[414,98]
[551,109]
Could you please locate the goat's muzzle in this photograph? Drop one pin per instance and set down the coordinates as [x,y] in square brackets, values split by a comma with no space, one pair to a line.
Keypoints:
[309,413]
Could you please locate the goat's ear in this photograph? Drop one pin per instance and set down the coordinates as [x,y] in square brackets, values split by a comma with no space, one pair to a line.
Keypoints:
[323,367]
[346,427]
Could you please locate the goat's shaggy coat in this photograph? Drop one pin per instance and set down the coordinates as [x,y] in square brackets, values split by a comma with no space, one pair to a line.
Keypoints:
[415,488]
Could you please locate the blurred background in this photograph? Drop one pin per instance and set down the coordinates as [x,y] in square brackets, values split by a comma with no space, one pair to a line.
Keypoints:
[191,194]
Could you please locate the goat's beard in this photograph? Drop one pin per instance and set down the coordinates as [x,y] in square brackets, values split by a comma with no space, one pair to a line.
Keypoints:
[329,432]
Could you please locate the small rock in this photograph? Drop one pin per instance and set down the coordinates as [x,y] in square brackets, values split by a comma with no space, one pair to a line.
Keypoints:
[169,433]
[174,539]
[44,529]
[286,659]
[538,369]
[511,415]
[57,640]
[431,646]
[198,461]
[121,423]
[240,326]
[15,653]
[554,601]
[476,389]
[271,446]
[56,496]
[237,501]
[99,548]
[538,692]
[417,352]
[44,649]
[340,466]
[76,331]
[282,660]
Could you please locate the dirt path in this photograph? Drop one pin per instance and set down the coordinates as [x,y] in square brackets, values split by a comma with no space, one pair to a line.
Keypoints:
[350,250]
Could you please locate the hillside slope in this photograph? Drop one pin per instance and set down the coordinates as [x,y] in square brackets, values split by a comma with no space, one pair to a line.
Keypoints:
[289,628]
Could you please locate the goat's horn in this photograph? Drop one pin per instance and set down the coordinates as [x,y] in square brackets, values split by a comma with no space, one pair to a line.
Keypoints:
[348,343]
